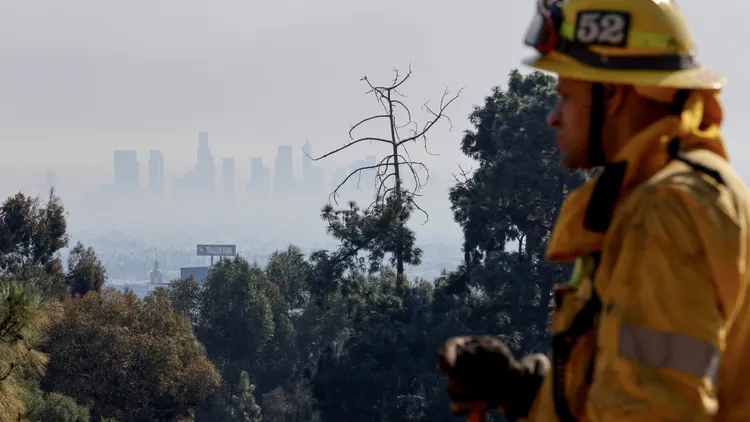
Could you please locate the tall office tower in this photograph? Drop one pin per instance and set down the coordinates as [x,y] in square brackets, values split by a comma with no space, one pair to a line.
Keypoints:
[260,182]
[227,168]
[368,176]
[283,180]
[313,177]
[126,172]
[202,141]
[357,181]
[205,168]
[316,180]
[338,177]
[156,172]
[306,162]
[364,181]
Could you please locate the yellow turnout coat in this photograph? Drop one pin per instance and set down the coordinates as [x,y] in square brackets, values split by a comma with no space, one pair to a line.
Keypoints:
[661,288]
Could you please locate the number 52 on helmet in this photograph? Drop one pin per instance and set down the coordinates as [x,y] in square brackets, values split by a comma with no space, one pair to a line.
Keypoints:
[635,42]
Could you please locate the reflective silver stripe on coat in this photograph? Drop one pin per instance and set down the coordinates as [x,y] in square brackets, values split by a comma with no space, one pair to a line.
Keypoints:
[669,350]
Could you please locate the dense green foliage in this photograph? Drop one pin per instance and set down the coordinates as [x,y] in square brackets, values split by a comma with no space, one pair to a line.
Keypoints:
[334,336]
[513,197]
[85,271]
[145,353]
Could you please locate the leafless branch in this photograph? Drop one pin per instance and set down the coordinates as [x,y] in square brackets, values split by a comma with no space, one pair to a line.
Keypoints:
[390,173]
[396,82]
[383,170]
[334,194]
[354,142]
[383,175]
[379,116]
[426,215]
[427,150]
[406,151]
[372,87]
[408,114]
[383,164]
[381,191]
[436,116]
[464,176]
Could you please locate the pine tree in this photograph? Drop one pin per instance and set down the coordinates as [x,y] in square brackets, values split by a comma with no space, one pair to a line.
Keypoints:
[21,321]
[242,406]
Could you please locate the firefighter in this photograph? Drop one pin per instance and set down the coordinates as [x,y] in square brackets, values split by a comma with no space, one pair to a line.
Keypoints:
[654,324]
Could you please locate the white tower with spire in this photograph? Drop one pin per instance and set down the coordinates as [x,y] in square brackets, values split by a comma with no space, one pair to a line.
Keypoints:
[156,277]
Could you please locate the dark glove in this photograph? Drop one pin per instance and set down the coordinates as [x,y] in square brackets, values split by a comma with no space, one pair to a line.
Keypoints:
[483,373]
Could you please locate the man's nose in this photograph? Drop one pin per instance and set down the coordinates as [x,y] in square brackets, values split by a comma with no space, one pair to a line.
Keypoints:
[554,117]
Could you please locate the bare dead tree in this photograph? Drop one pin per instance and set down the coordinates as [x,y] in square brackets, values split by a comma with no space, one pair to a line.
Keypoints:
[391,172]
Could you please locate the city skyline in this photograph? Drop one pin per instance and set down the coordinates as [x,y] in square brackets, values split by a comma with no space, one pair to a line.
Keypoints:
[206,178]
[85,84]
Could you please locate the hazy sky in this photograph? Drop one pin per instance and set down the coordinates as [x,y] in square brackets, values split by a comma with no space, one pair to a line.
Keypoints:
[79,78]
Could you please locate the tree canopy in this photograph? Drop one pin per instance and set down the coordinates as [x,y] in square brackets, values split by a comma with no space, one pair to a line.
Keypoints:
[142,350]
[508,204]
[335,335]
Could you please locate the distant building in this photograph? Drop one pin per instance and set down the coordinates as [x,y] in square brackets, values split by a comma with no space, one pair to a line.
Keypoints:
[283,171]
[201,181]
[260,180]
[228,177]
[313,177]
[199,274]
[126,172]
[156,278]
[156,275]
[338,177]
[156,172]
[371,160]
[316,180]
[306,161]
[368,176]
[205,168]
[363,180]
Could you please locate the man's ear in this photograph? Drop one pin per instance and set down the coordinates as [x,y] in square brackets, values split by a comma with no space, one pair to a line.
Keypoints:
[614,98]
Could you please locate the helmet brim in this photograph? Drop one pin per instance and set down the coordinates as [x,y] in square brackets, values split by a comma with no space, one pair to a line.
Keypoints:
[567,67]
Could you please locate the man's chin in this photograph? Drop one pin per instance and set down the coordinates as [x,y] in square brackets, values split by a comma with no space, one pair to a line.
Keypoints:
[574,163]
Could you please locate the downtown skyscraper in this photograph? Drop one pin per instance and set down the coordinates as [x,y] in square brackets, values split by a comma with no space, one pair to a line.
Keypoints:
[156,172]
[126,172]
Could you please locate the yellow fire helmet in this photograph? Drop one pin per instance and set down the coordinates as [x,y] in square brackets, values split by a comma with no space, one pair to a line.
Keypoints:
[635,42]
